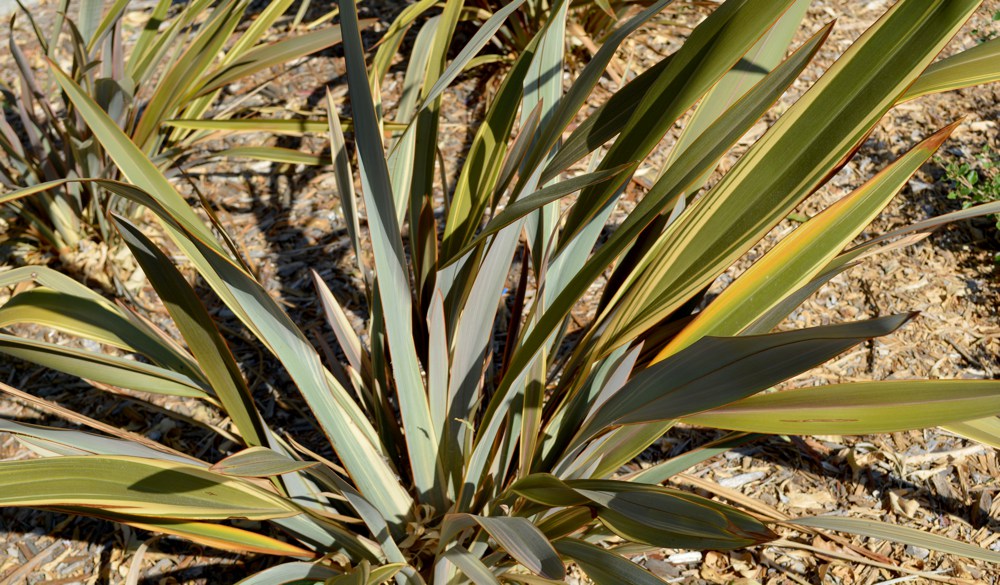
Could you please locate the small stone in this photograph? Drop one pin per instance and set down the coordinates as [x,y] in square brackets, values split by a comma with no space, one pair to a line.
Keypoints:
[917,552]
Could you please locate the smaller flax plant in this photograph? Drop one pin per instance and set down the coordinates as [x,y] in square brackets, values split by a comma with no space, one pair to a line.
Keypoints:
[174,67]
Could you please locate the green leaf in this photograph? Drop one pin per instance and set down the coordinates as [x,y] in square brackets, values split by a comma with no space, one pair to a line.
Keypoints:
[106,369]
[71,442]
[650,514]
[264,57]
[526,205]
[885,531]
[976,66]
[257,29]
[565,522]
[259,462]
[752,67]
[801,151]
[91,317]
[172,90]
[271,126]
[472,46]
[390,267]
[716,371]
[385,573]
[373,518]
[771,318]
[352,436]
[714,47]
[89,17]
[921,227]
[701,156]
[576,96]
[218,536]
[136,486]
[107,23]
[345,184]
[523,541]
[473,340]
[664,470]
[858,409]
[134,165]
[803,254]
[392,38]
[984,430]
[275,154]
[475,187]
[674,519]
[290,573]
[403,153]
[472,567]
[603,566]
[199,331]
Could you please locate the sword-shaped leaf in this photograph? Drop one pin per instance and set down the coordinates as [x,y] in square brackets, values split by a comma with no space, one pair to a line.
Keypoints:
[288,573]
[107,369]
[650,514]
[91,317]
[976,66]
[719,370]
[390,266]
[71,442]
[803,254]
[473,568]
[474,188]
[138,487]
[882,530]
[526,543]
[554,192]
[603,566]
[263,57]
[985,430]
[259,462]
[700,157]
[272,126]
[576,96]
[472,46]
[859,408]
[712,49]
[199,331]
[275,154]
[218,536]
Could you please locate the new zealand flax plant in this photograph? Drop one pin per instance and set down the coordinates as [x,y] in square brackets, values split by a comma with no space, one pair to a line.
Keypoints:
[475,435]
[175,65]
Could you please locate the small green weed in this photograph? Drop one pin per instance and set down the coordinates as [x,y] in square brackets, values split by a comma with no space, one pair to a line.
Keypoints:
[986,35]
[975,179]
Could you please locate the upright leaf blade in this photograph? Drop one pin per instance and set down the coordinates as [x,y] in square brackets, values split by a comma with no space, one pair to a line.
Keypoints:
[390,266]
[200,332]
